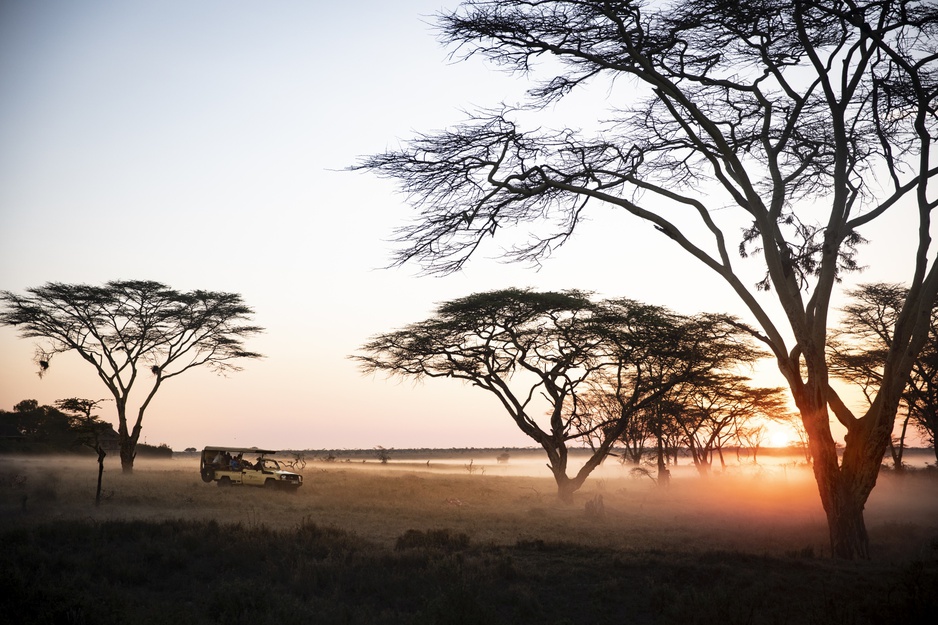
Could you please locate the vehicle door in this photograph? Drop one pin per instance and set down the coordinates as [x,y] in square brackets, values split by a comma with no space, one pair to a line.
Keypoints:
[253,476]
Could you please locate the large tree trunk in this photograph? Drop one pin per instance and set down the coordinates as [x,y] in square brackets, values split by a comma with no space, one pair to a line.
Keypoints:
[565,489]
[128,453]
[128,447]
[557,463]
[126,440]
[848,536]
[845,484]
[557,456]
[843,506]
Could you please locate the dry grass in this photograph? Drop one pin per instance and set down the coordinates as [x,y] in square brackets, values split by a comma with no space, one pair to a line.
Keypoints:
[403,543]
[768,513]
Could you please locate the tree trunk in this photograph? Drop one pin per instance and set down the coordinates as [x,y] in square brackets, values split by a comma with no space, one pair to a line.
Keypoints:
[702,460]
[843,499]
[899,451]
[664,475]
[101,455]
[128,452]
[126,440]
[849,539]
[565,489]
[557,463]
[845,485]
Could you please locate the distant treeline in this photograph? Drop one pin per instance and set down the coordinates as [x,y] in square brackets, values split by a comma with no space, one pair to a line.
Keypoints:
[429,453]
[33,429]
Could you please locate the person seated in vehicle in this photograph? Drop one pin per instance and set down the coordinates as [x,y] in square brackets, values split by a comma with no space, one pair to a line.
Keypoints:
[236,463]
[219,460]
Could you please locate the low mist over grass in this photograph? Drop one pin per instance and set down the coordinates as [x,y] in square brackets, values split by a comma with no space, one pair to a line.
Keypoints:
[405,542]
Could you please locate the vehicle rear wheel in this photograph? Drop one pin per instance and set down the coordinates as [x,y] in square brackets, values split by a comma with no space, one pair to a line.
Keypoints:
[224,482]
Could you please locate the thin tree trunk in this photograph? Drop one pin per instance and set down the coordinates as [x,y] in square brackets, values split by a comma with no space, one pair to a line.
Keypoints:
[664,476]
[101,455]
[899,451]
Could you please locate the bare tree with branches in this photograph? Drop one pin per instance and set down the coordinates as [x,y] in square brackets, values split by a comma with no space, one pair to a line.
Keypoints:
[533,350]
[126,329]
[800,121]
[91,430]
[858,350]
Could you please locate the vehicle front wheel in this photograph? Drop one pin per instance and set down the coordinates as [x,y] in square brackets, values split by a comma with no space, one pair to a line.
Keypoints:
[224,482]
[270,483]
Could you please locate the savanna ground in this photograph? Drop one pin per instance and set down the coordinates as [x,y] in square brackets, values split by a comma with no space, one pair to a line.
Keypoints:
[414,543]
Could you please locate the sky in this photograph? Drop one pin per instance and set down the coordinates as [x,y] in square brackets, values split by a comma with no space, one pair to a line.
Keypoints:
[205,145]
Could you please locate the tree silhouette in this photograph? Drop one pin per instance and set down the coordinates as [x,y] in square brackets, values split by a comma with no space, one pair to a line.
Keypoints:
[128,329]
[860,344]
[534,349]
[797,122]
[91,430]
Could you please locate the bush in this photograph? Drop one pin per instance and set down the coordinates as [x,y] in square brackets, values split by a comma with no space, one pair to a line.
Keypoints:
[149,451]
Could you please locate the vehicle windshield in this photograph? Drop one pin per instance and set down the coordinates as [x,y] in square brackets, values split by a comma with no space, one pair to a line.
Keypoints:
[268,464]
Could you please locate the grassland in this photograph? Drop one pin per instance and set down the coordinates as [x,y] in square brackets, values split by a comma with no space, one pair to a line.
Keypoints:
[372,543]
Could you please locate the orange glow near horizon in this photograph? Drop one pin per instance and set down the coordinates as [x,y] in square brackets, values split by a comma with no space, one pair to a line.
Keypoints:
[779,435]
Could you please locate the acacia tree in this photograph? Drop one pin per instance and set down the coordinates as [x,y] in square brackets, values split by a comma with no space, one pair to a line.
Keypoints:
[773,115]
[129,329]
[714,412]
[518,345]
[91,430]
[860,344]
[711,347]
[599,404]
[922,392]
[530,349]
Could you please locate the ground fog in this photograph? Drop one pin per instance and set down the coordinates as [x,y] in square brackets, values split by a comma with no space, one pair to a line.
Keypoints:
[770,508]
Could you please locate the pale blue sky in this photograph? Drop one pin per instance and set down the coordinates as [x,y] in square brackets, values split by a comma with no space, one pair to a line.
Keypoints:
[201,144]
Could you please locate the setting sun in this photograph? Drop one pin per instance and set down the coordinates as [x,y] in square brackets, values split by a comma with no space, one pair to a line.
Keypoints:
[778,435]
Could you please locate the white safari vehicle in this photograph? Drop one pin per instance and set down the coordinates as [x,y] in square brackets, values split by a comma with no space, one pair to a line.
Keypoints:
[228,466]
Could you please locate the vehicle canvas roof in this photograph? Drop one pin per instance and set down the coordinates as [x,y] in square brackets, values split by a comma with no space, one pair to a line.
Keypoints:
[239,450]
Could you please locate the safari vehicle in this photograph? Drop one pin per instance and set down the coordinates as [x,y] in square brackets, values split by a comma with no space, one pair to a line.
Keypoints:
[227,466]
